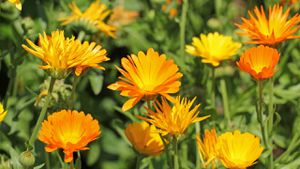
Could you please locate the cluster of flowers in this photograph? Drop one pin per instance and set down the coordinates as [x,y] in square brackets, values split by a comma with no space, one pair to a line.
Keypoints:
[152,78]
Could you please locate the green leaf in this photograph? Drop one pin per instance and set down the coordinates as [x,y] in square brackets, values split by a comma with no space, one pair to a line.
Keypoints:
[96,81]
[39,166]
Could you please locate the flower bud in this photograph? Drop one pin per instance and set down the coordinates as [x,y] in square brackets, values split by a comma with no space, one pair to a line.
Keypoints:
[27,158]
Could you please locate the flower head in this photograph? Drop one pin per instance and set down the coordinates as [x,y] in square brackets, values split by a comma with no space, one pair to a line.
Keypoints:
[17,3]
[2,113]
[208,147]
[213,48]
[70,130]
[238,150]
[121,16]
[61,54]
[144,138]
[259,62]
[145,76]
[94,16]
[173,120]
[270,30]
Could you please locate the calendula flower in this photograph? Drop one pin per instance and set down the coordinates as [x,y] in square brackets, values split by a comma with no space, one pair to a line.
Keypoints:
[259,62]
[17,3]
[207,147]
[270,30]
[238,150]
[173,120]
[120,16]
[94,16]
[61,54]
[213,48]
[69,130]
[170,7]
[144,138]
[2,113]
[145,76]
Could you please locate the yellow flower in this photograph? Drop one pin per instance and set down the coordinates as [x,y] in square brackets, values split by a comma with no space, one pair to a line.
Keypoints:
[213,48]
[17,3]
[237,150]
[173,120]
[61,54]
[208,147]
[69,130]
[144,138]
[145,76]
[2,113]
[270,30]
[93,16]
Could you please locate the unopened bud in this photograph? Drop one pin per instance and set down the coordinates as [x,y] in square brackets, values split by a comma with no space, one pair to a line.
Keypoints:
[27,158]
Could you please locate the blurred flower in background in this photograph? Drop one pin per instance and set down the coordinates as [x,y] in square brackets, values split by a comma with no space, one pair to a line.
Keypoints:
[238,150]
[270,30]
[93,18]
[61,54]
[70,130]
[213,48]
[173,120]
[144,138]
[121,16]
[145,76]
[170,7]
[2,113]
[259,62]
[17,3]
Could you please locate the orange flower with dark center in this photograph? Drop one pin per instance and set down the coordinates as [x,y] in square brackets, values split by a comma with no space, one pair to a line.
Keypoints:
[145,76]
[270,30]
[259,62]
[69,130]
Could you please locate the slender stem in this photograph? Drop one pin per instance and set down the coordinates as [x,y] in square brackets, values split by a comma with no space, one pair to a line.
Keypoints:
[81,35]
[138,161]
[182,26]
[175,153]
[59,159]
[225,100]
[271,116]
[166,151]
[197,129]
[74,85]
[213,84]
[42,114]
[72,164]
[47,160]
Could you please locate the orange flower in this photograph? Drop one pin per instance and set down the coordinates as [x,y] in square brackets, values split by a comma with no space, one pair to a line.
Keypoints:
[69,130]
[176,119]
[144,138]
[272,30]
[208,147]
[121,16]
[146,76]
[259,62]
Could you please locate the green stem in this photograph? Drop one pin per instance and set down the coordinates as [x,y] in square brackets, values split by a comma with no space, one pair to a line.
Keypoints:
[59,159]
[72,165]
[42,114]
[166,151]
[175,153]
[197,129]
[270,120]
[264,131]
[182,26]
[81,35]
[225,100]
[47,160]
[74,85]
[138,161]
[213,84]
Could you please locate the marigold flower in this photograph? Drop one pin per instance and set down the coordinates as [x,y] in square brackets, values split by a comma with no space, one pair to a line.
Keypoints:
[144,138]
[70,130]
[239,150]
[2,113]
[213,48]
[272,30]
[259,62]
[121,16]
[145,76]
[208,147]
[61,54]
[17,3]
[173,120]
[93,16]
